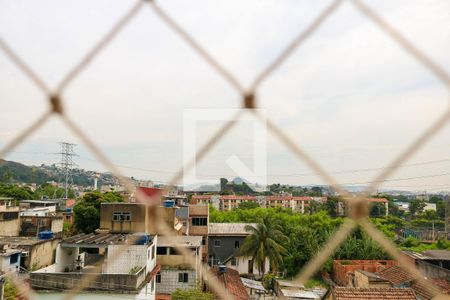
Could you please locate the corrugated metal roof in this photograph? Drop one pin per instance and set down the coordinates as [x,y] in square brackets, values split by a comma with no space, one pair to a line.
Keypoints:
[253,284]
[229,228]
[100,239]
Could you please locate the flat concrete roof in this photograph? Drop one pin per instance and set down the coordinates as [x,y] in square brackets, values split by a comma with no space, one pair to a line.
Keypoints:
[21,240]
[180,240]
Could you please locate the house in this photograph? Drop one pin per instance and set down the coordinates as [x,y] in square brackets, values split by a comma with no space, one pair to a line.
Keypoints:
[32,225]
[122,263]
[231,281]
[224,242]
[136,217]
[351,293]
[198,225]
[36,253]
[176,270]
[37,208]
[68,211]
[9,259]
[400,278]
[431,263]
[9,217]
[343,269]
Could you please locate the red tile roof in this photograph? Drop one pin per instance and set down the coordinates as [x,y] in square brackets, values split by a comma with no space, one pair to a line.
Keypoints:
[396,275]
[429,291]
[379,200]
[347,293]
[232,282]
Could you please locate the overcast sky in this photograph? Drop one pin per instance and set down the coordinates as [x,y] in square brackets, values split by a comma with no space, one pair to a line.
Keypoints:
[350,95]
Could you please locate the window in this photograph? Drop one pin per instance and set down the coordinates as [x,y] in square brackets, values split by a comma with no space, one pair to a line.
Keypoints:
[203,241]
[199,221]
[153,252]
[14,258]
[216,243]
[183,277]
[161,250]
[234,261]
[121,216]
[236,244]
[158,277]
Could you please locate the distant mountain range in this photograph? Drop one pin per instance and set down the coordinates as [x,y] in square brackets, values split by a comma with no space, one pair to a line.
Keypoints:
[14,172]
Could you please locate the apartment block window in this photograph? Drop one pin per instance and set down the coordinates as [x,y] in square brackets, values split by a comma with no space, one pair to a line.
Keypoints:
[158,277]
[216,243]
[236,244]
[183,277]
[199,221]
[153,251]
[121,216]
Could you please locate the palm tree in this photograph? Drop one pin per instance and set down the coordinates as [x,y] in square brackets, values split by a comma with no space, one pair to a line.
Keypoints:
[262,243]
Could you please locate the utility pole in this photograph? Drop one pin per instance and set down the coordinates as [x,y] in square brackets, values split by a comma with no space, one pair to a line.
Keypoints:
[67,164]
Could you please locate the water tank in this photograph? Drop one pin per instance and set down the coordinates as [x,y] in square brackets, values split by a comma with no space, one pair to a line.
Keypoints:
[169,203]
[45,235]
[141,239]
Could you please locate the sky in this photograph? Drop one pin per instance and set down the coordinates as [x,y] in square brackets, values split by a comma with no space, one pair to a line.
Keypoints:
[349,96]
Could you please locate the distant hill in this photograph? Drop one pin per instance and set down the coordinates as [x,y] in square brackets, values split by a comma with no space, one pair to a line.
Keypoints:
[14,172]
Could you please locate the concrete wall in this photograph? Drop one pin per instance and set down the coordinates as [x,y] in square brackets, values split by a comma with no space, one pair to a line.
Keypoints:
[7,266]
[65,258]
[41,254]
[169,280]
[136,224]
[432,271]
[65,281]
[10,227]
[126,257]
[242,265]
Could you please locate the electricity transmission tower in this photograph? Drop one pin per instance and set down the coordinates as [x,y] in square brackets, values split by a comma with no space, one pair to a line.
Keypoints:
[67,164]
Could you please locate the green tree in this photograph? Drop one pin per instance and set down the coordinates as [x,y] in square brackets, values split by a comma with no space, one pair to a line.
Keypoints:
[248,205]
[16,192]
[49,191]
[416,206]
[264,242]
[87,210]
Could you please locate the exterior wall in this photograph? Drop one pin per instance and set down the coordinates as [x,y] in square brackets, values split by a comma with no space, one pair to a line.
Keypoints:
[242,264]
[126,257]
[136,224]
[10,227]
[30,225]
[432,271]
[6,265]
[226,248]
[169,280]
[41,254]
[66,281]
[65,258]
[341,268]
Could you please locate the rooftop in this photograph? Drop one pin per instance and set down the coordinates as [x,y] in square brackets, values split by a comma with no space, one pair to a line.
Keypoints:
[98,240]
[253,284]
[229,228]
[232,282]
[301,294]
[438,254]
[20,240]
[285,283]
[180,240]
[395,275]
[347,293]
